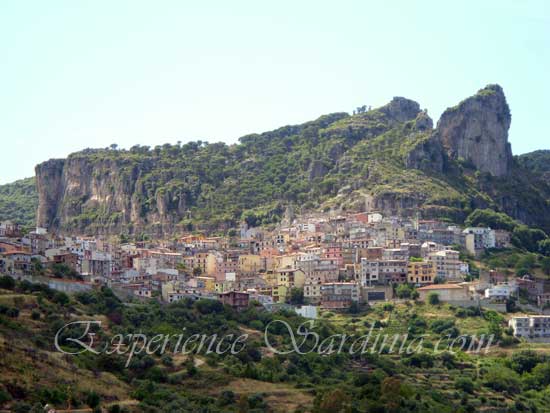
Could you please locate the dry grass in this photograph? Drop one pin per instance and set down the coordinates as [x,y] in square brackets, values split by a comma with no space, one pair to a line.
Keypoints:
[280,397]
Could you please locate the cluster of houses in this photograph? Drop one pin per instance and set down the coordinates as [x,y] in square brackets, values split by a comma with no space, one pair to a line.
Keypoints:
[326,261]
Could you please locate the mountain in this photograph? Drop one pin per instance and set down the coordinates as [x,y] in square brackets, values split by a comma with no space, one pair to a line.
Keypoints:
[18,202]
[390,159]
[538,162]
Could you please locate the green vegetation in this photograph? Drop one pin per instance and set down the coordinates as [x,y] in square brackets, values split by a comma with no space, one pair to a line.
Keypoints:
[257,379]
[18,202]
[491,219]
[538,162]
[433,298]
[337,161]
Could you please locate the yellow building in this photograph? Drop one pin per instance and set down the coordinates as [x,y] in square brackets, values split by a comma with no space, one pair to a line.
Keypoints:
[286,261]
[270,278]
[210,264]
[208,283]
[250,263]
[280,294]
[421,272]
[291,278]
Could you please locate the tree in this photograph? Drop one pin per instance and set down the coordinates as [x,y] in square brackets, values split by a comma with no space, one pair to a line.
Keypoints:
[465,384]
[527,238]
[61,270]
[545,265]
[354,307]
[524,265]
[500,378]
[7,283]
[433,298]
[524,361]
[93,399]
[296,296]
[490,218]
[403,291]
[544,247]
[335,401]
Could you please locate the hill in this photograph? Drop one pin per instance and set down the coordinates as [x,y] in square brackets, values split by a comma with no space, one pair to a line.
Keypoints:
[537,162]
[389,159]
[18,202]
[256,378]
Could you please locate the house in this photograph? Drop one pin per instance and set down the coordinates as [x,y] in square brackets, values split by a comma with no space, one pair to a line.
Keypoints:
[339,295]
[143,292]
[537,290]
[250,263]
[203,283]
[67,258]
[447,264]
[421,272]
[10,230]
[307,311]
[501,291]
[291,278]
[16,262]
[236,299]
[502,238]
[383,272]
[533,326]
[477,239]
[445,292]
[312,291]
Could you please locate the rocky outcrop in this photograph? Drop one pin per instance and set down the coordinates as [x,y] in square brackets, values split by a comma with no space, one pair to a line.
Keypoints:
[86,195]
[427,155]
[476,131]
[401,109]
[50,188]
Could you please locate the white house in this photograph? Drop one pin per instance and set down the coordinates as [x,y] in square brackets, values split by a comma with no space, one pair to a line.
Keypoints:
[534,326]
[501,291]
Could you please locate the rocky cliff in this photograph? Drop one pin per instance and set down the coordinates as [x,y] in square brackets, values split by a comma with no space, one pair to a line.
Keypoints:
[476,131]
[388,159]
[103,195]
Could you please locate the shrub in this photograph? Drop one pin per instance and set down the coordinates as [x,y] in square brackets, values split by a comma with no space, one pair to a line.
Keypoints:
[524,361]
[500,379]
[4,396]
[12,312]
[35,315]
[404,291]
[7,283]
[433,299]
[93,399]
[115,408]
[227,397]
[527,238]
[465,384]
[490,218]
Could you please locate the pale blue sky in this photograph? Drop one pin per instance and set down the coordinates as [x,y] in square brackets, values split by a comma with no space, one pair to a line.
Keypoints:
[76,74]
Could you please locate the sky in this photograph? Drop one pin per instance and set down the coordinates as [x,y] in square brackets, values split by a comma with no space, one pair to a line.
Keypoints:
[78,74]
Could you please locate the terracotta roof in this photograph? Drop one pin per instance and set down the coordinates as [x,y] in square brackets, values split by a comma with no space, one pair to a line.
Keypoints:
[441,287]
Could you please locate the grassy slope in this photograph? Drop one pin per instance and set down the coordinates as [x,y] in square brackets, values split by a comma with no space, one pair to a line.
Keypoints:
[18,201]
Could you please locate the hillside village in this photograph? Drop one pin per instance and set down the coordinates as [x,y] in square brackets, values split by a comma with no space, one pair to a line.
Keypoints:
[309,263]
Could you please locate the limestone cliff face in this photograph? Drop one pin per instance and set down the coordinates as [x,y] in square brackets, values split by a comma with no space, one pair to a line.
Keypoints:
[476,131]
[85,195]
[49,184]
